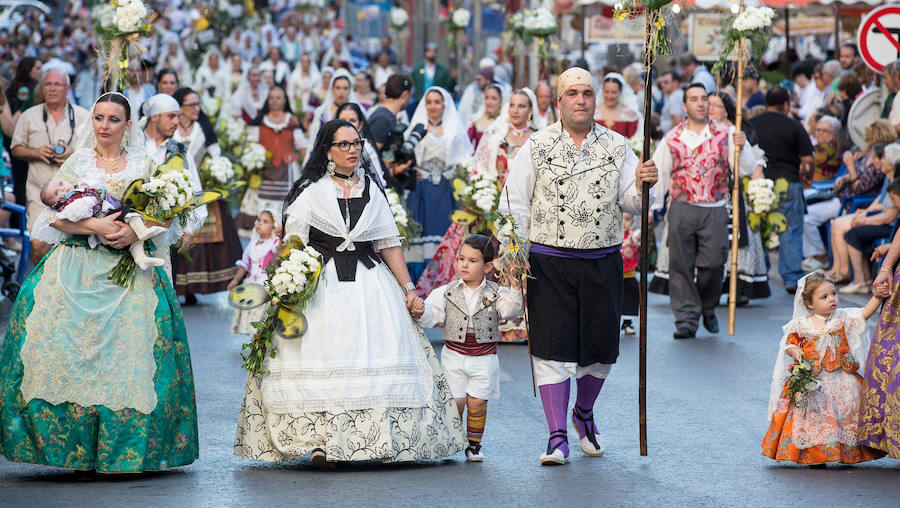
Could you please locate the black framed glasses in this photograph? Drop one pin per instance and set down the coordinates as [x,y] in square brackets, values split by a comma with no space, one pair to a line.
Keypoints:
[344,146]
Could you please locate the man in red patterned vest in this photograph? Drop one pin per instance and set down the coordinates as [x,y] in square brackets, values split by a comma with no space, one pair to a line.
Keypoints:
[694,160]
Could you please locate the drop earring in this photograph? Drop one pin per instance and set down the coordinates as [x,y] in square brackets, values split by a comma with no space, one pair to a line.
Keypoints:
[330,166]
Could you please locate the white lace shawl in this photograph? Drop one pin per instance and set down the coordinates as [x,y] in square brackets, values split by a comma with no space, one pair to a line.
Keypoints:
[855,327]
[317,207]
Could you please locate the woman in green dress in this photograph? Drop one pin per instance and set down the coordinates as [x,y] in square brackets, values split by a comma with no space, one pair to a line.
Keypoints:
[94,376]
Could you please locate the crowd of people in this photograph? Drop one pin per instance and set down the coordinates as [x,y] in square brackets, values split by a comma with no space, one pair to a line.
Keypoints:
[342,131]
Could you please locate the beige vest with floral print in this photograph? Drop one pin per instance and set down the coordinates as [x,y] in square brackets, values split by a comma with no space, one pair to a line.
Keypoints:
[575,203]
[485,320]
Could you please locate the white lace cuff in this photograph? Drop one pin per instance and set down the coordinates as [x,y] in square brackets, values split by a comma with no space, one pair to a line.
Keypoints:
[386,243]
[44,232]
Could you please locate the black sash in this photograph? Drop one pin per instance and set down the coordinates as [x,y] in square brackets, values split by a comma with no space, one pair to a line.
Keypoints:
[345,261]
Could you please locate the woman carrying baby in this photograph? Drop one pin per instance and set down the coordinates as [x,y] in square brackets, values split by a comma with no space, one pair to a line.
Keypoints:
[94,376]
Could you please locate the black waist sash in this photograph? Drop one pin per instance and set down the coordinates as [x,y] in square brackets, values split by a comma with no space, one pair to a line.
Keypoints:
[345,261]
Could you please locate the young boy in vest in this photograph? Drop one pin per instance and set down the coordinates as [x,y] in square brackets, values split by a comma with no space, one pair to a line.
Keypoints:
[470,309]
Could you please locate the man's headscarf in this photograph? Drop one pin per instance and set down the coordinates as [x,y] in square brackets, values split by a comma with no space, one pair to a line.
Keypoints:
[573,76]
[157,105]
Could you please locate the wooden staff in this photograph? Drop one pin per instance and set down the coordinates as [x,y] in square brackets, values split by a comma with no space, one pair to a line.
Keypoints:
[523,279]
[735,192]
[645,244]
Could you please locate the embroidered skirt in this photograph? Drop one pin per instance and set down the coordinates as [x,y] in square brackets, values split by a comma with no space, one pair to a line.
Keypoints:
[96,438]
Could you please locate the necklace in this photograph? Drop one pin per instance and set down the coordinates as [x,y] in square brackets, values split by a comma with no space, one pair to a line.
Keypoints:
[347,181]
[112,161]
[185,128]
[433,124]
[517,131]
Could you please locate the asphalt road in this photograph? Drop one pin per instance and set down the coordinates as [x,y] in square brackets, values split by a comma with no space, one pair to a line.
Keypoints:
[707,414]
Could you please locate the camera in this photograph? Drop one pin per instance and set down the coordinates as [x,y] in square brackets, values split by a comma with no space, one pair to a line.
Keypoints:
[402,150]
[407,150]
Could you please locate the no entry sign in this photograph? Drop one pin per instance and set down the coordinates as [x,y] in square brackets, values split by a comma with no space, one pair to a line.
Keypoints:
[878,37]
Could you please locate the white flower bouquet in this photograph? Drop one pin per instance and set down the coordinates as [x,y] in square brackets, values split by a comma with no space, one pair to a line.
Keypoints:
[540,23]
[753,24]
[254,157]
[460,18]
[763,197]
[216,172]
[399,18]
[129,15]
[210,105]
[231,131]
[167,195]
[167,192]
[103,16]
[120,24]
[478,196]
[408,227]
[292,282]
[754,18]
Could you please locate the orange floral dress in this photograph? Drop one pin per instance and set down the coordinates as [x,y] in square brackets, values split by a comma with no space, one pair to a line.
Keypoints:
[825,430]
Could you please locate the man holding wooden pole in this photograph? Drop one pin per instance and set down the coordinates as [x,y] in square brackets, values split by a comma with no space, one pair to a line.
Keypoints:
[694,160]
[566,190]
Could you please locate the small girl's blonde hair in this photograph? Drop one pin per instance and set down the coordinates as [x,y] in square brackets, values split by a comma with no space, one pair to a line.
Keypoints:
[813,281]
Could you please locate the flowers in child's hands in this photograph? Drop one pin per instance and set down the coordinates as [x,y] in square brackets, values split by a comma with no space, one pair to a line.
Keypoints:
[800,383]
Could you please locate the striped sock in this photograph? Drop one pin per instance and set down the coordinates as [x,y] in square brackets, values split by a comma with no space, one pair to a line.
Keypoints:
[475,424]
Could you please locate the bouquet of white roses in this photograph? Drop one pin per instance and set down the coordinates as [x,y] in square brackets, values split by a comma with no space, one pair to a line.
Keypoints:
[460,18]
[753,24]
[231,131]
[763,198]
[210,105]
[166,192]
[292,282]
[399,18]
[216,172]
[408,227]
[254,158]
[129,15]
[754,18]
[540,23]
[120,24]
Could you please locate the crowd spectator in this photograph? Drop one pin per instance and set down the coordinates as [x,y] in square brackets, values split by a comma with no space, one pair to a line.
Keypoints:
[430,73]
[45,138]
[789,153]
[698,73]
[873,223]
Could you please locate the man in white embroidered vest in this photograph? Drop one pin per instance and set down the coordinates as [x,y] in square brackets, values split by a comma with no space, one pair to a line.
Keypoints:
[694,161]
[566,189]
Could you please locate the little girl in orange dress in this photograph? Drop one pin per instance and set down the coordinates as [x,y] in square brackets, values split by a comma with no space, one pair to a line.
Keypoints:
[820,426]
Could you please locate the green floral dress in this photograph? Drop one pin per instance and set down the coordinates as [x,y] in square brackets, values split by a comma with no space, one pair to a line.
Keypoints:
[93,376]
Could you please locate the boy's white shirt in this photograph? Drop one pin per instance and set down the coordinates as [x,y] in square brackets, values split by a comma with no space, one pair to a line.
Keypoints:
[509,303]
